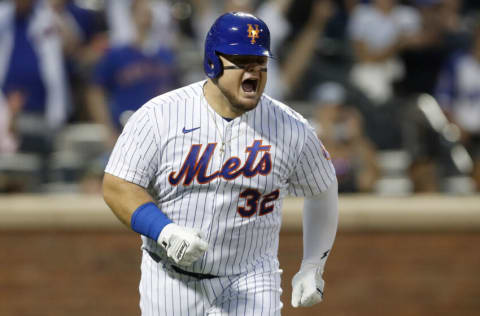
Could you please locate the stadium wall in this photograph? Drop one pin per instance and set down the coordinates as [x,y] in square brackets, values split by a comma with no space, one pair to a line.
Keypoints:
[417,255]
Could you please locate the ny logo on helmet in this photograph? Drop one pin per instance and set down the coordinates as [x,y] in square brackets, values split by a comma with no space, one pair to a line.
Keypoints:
[253,33]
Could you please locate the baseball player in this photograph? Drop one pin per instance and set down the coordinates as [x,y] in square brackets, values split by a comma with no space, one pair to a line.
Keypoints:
[201,173]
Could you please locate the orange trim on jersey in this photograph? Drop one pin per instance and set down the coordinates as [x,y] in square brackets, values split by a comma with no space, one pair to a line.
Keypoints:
[239,168]
[214,175]
[252,161]
[199,164]
[182,173]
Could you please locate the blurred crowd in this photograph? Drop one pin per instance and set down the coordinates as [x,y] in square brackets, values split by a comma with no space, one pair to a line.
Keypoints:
[392,87]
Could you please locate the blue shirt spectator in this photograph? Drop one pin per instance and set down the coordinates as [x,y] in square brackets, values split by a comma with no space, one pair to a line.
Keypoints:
[31,61]
[86,20]
[23,74]
[131,77]
[131,72]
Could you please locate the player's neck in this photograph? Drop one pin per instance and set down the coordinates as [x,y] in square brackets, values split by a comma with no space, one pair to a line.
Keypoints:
[217,100]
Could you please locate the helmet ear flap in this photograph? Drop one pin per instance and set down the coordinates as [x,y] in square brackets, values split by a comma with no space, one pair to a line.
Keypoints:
[213,65]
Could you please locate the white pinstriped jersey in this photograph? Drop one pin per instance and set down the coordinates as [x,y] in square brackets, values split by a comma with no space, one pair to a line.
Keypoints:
[227,179]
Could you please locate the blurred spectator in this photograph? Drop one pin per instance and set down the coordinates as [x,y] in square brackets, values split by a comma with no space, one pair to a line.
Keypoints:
[340,127]
[458,92]
[442,31]
[31,62]
[379,31]
[130,74]
[35,88]
[301,52]
[78,26]
[83,33]
[162,32]
[8,112]
[337,26]
[331,52]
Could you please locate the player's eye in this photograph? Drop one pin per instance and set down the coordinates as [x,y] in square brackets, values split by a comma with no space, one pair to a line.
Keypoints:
[243,61]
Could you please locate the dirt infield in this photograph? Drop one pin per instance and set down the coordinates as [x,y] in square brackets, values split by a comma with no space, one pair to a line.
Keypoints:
[96,273]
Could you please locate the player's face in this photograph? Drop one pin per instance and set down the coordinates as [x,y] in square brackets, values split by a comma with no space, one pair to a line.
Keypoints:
[243,80]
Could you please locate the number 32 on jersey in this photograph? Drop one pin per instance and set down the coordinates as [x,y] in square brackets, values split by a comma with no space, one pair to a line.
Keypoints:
[195,168]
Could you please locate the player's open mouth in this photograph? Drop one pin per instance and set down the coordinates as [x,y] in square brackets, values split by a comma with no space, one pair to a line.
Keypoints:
[250,85]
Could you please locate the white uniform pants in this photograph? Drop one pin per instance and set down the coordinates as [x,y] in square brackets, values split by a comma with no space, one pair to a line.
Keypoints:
[166,292]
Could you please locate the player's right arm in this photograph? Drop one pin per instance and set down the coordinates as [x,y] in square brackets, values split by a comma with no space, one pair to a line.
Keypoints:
[131,167]
[123,197]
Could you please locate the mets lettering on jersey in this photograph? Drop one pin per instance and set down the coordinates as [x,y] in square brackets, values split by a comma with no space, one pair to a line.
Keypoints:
[225,178]
[193,167]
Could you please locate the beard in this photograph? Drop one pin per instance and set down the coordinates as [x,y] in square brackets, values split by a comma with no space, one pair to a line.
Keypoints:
[237,105]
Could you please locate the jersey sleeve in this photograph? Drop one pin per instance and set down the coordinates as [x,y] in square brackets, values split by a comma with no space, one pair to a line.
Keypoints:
[134,157]
[314,171]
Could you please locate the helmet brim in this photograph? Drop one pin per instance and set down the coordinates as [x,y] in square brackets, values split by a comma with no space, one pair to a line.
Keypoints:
[243,49]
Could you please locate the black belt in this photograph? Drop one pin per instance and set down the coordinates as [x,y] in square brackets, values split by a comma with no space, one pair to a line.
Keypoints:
[199,276]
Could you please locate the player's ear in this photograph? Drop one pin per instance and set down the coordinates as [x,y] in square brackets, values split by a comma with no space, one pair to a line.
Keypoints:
[221,57]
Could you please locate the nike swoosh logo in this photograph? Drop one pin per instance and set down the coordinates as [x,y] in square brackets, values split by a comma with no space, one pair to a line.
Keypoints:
[185,131]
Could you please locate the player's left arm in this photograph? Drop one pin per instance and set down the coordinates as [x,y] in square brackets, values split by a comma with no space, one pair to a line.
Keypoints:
[320,221]
[314,178]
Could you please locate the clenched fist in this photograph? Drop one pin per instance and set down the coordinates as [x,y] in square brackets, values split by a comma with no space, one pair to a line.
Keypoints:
[183,245]
[307,286]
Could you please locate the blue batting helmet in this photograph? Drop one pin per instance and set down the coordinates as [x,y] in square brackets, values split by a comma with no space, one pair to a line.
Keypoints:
[235,33]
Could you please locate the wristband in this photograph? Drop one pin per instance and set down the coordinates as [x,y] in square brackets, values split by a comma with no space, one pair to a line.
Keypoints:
[149,220]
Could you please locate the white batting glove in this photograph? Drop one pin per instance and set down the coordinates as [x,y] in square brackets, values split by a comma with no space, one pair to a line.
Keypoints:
[307,286]
[183,245]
